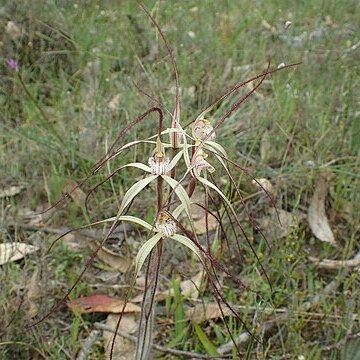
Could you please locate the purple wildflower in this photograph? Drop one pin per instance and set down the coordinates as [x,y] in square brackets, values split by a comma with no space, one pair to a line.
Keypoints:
[12,64]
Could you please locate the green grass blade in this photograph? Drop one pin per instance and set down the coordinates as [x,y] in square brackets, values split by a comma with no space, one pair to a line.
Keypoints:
[205,341]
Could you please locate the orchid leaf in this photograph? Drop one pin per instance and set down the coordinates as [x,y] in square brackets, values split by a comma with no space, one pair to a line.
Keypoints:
[144,252]
[113,219]
[187,242]
[134,191]
[212,186]
[216,147]
[180,192]
[176,213]
[140,166]
[175,160]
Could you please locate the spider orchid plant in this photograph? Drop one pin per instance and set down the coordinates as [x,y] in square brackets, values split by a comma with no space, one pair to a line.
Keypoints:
[191,158]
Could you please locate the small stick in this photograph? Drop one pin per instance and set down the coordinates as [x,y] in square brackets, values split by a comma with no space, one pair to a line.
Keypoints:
[342,342]
[329,264]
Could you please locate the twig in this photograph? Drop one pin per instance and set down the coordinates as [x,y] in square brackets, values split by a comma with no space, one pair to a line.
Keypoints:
[329,264]
[51,230]
[88,345]
[160,348]
[342,342]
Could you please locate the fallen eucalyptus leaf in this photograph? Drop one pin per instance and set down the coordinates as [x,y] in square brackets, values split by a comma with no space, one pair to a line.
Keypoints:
[115,261]
[318,221]
[273,229]
[33,293]
[15,251]
[30,217]
[203,312]
[101,304]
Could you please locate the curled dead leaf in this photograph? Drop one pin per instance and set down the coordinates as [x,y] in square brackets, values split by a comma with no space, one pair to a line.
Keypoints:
[115,261]
[15,251]
[318,221]
[273,229]
[189,288]
[101,304]
[204,312]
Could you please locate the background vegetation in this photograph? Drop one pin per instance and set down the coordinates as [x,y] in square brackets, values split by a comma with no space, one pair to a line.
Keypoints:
[80,63]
